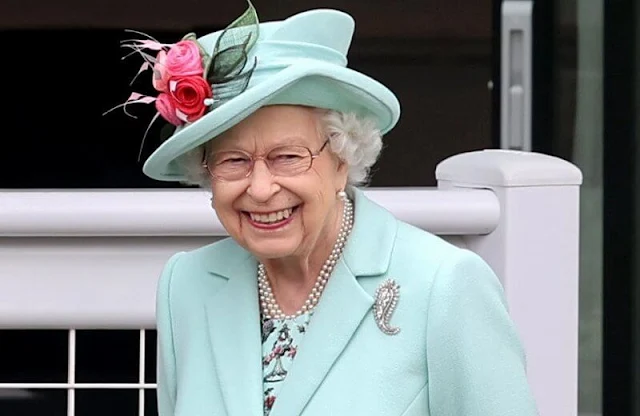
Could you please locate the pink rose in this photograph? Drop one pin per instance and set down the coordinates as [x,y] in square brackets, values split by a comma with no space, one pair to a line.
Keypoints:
[183,59]
[189,95]
[167,109]
[160,73]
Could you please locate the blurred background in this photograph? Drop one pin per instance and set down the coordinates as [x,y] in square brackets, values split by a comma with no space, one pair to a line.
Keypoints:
[62,69]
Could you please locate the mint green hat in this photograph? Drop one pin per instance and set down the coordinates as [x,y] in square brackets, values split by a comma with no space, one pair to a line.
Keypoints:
[298,61]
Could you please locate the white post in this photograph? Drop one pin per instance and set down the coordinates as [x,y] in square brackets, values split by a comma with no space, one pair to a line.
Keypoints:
[534,250]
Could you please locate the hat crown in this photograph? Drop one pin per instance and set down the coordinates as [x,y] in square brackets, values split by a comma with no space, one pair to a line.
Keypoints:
[321,27]
[330,28]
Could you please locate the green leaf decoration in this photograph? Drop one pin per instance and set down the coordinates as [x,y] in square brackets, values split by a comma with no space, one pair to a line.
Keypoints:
[228,63]
[246,24]
[236,39]
[229,89]
[242,81]
[190,36]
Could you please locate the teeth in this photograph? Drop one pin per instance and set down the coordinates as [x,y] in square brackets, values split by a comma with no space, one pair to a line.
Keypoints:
[271,217]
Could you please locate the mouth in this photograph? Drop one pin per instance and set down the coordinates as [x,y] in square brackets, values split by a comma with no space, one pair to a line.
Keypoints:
[271,220]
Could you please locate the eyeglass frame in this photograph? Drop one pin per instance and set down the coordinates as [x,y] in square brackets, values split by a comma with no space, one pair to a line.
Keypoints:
[254,159]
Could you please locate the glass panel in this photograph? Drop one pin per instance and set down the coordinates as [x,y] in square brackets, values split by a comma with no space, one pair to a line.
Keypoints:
[107,402]
[150,356]
[621,292]
[587,152]
[577,136]
[34,403]
[33,356]
[150,403]
[107,356]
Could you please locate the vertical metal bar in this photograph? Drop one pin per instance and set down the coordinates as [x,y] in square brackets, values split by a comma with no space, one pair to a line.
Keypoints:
[71,374]
[141,375]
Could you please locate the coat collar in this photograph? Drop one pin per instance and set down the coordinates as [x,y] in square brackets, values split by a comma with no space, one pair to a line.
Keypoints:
[233,315]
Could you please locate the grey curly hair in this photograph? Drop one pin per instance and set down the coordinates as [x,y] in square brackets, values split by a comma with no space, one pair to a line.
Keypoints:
[355,140]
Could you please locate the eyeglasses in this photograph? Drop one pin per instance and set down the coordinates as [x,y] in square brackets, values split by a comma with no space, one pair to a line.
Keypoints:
[287,160]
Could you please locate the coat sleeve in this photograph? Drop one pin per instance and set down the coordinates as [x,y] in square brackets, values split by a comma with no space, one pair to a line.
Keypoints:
[475,359]
[166,360]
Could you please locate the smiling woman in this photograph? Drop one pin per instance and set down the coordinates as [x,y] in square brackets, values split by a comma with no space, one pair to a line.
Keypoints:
[312,269]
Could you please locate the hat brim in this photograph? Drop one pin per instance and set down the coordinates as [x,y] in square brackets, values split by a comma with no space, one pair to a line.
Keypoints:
[309,84]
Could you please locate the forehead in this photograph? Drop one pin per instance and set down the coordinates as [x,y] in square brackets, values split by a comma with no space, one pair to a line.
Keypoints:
[272,126]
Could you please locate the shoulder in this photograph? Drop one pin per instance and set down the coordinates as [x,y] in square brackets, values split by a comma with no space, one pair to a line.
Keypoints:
[444,272]
[418,241]
[426,253]
[199,259]
[191,274]
[207,256]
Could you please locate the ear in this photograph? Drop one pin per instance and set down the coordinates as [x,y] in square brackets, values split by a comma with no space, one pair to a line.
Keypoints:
[342,175]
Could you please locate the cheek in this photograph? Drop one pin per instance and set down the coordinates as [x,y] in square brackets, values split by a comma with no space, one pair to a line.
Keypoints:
[224,198]
[332,175]
[320,205]
[322,189]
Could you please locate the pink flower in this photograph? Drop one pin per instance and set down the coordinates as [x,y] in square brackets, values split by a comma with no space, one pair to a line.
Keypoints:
[160,73]
[183,59]
[167,109]
[189,95]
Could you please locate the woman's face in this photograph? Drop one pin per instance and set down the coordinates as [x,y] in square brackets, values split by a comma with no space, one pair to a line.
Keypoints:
[279,216]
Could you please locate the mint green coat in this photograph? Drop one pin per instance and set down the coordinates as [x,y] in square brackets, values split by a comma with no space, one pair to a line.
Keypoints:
[457,353]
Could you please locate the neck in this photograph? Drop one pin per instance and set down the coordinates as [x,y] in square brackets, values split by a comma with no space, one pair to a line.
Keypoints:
[292,279]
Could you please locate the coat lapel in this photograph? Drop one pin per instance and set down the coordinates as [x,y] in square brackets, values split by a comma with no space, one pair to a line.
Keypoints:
[234,328]
[342,307]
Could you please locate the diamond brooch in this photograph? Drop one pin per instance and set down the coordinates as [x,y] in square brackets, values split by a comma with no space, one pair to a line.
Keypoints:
[387,295]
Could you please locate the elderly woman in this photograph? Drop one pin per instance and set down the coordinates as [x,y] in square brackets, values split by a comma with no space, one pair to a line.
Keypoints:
[319,302]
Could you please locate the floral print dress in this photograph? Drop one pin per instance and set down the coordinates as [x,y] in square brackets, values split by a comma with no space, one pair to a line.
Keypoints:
[280,341]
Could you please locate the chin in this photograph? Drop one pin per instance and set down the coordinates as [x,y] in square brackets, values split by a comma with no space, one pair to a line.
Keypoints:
[272,249]
[275,239]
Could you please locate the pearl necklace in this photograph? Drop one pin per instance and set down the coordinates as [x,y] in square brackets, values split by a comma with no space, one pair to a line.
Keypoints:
[269,305]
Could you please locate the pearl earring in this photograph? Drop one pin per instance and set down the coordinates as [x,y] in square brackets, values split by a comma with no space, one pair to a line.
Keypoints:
[342,195]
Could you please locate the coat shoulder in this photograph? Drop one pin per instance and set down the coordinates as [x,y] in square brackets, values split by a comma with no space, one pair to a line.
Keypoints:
[189,275]
[207,256]
[422,251]
[421,258]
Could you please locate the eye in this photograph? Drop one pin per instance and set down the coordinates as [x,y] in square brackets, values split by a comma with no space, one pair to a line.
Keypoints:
[230,159]
[286,155]
[234,160]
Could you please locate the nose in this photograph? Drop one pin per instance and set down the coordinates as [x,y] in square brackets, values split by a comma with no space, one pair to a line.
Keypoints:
[261,186]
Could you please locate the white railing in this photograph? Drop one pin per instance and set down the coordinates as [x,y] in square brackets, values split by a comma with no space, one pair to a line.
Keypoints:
[75,260]
[186,213]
